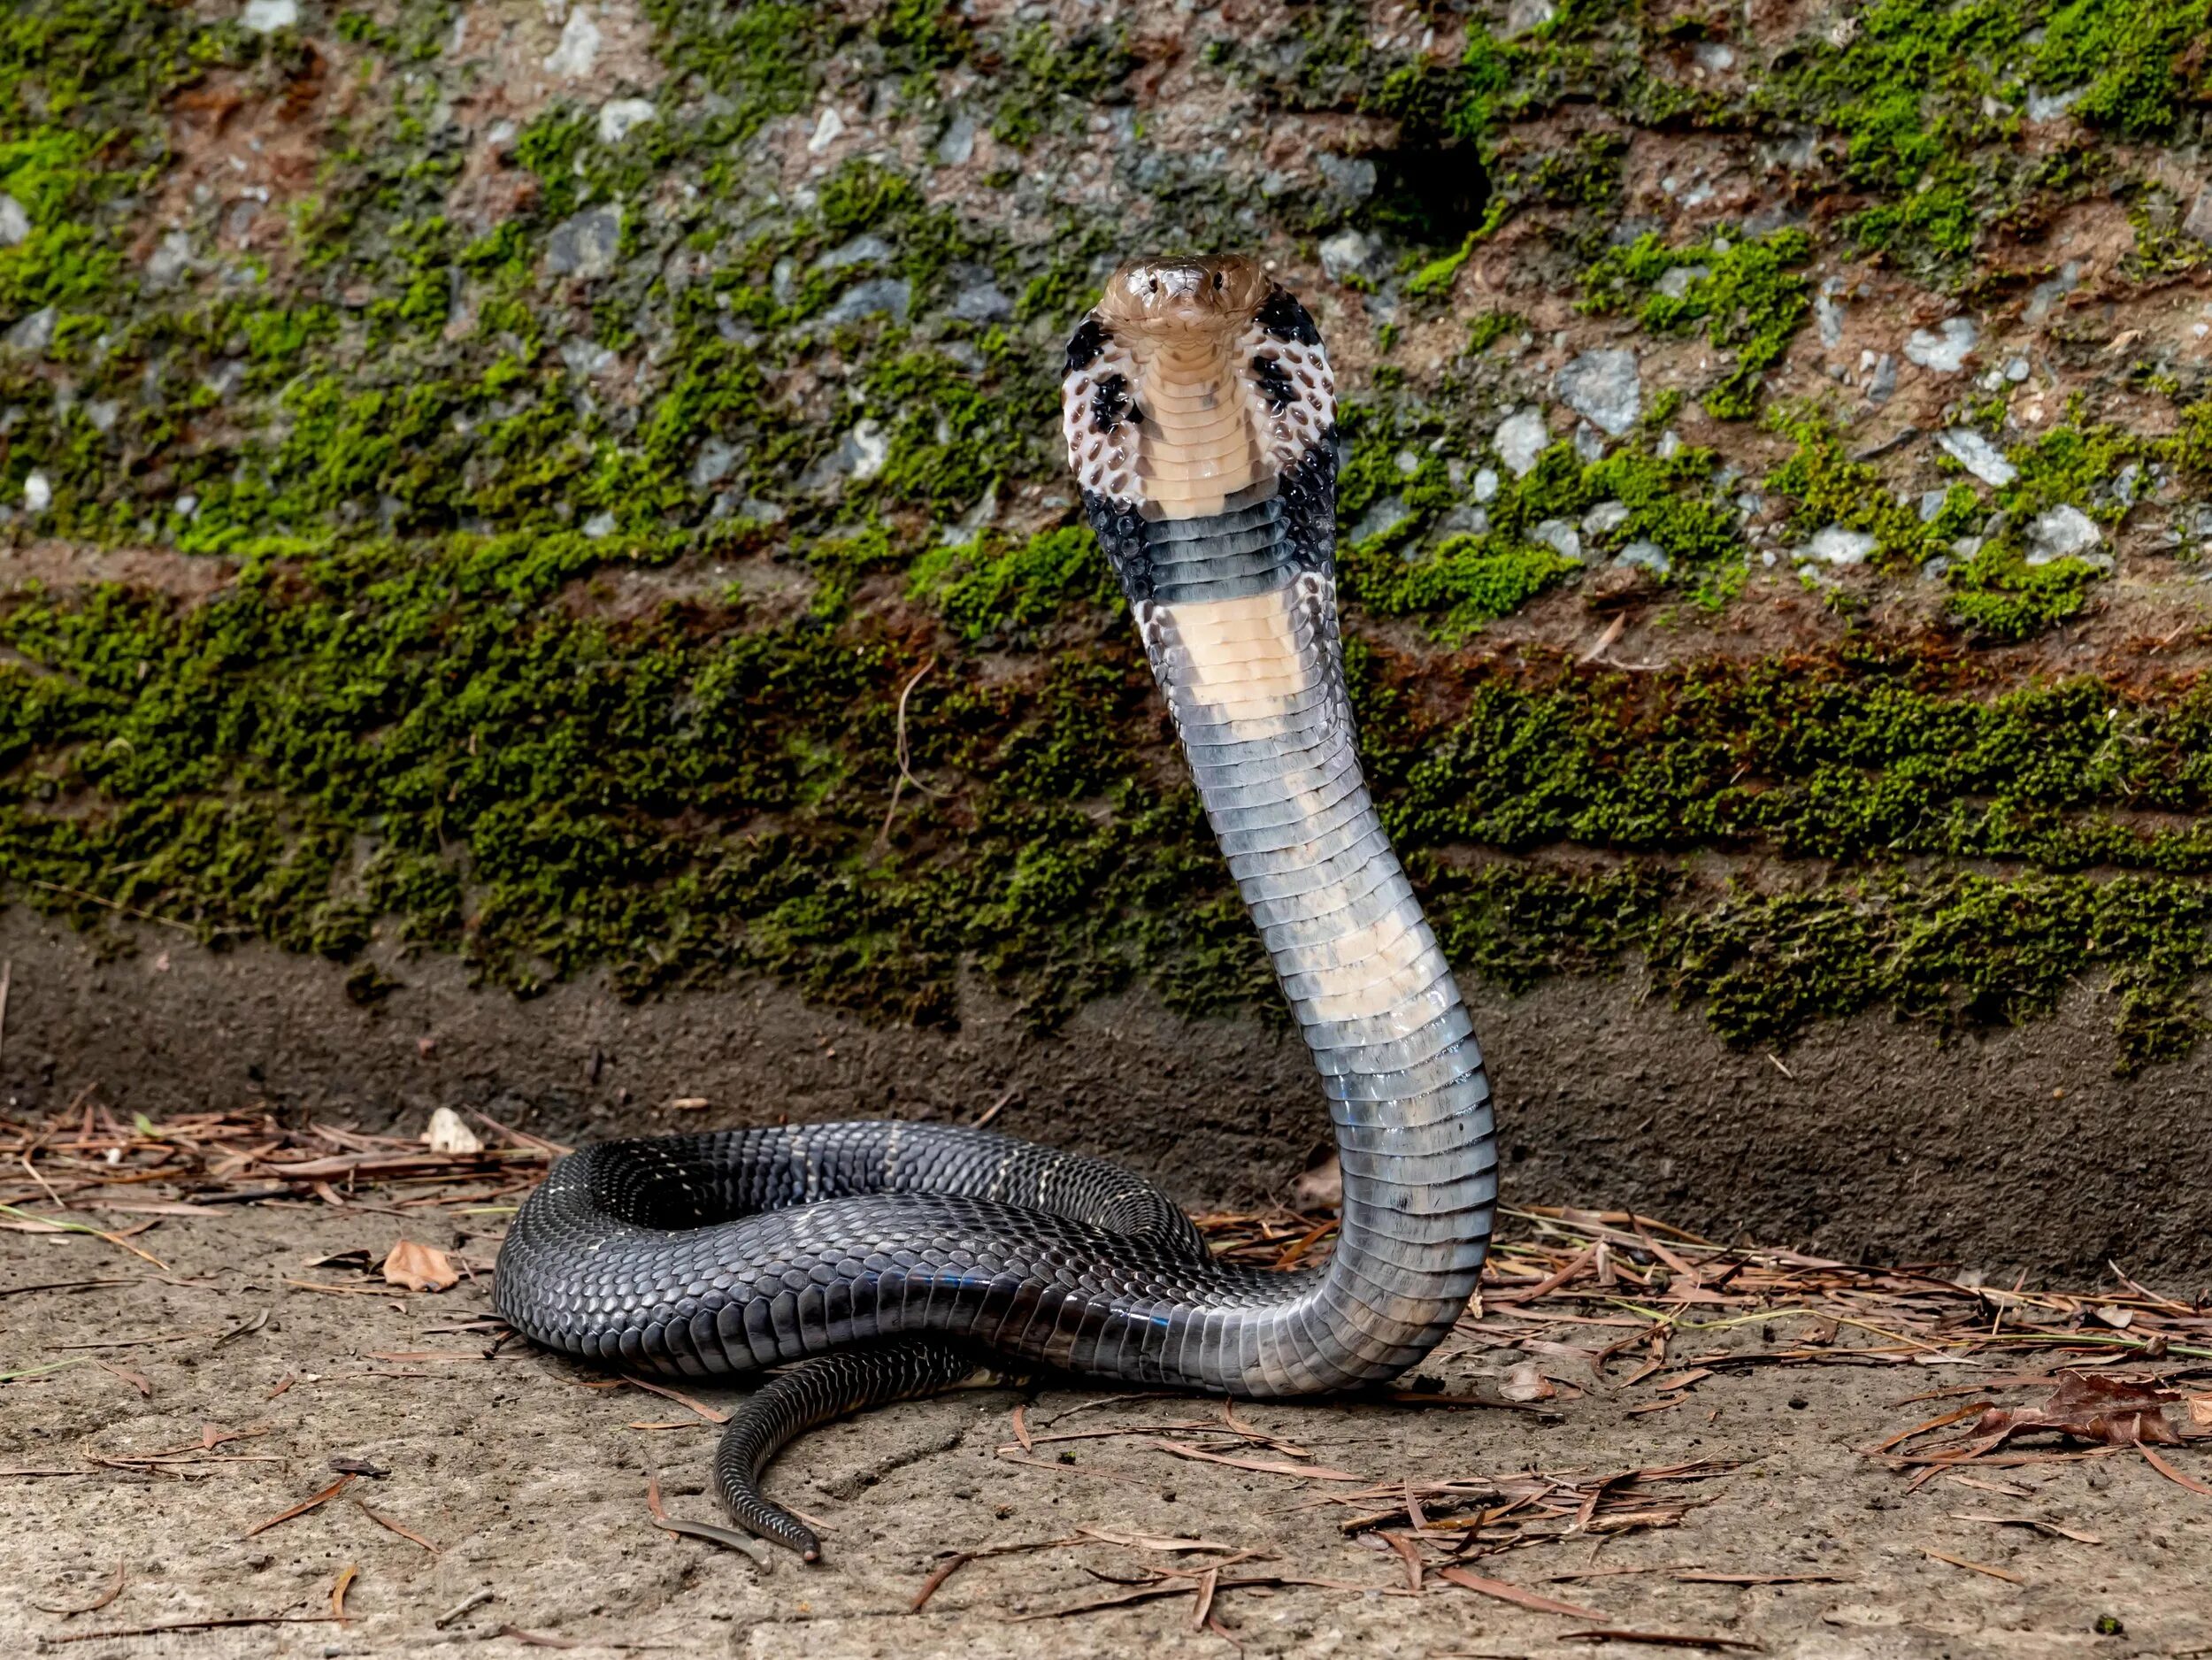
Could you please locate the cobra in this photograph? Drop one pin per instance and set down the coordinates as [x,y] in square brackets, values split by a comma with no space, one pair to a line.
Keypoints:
[881,1260]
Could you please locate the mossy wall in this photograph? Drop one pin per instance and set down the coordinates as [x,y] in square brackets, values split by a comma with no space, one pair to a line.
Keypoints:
[625,435]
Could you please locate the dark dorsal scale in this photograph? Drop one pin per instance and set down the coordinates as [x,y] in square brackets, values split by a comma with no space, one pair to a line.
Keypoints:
[1274,382]
[1087,342]
[1281,316]
[1109,404]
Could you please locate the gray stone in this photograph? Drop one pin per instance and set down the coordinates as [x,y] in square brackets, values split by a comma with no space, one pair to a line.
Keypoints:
[38,493]
[618,118]
[2044,298]
[1883,386]
[1714,56]
[1604,518]
[2199,222]
[1559,536]
[1977,456]
[1828,316]
[1835,545]
[890,295]
[957,143]
[2063,532]
[1347,253]
[1944,347]
[1351,178]
[862,251]
[103,413]
[170,259]
[1520,438]
[1523,15]
[15,224]
[1589,444]
[1381,515]
[1603,387]
[32,334]
[585,359]
[713,464]
[1932,504]
[2048,106]
[265,16]
[1676,280]
[1486,484]
[864,450]
[981,304]
[599,525]
[586,244]
[1646,556]
[1463,521]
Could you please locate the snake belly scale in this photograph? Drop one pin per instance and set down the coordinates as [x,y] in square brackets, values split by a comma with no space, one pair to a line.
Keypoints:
[893,1259]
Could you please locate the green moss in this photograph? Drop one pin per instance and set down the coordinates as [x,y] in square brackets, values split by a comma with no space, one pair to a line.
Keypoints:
[1747,296]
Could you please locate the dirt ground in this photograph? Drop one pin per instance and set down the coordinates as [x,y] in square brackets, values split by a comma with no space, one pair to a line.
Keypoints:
[2010,1151]
[171,1414]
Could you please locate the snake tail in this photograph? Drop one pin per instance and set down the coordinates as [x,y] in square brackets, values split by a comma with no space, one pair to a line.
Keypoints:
[816,1392]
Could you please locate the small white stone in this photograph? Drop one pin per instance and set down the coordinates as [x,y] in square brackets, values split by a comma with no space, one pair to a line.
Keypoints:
[38,493]
[1716,56]
[1486,484]
[2063,532]
[446,1133]
[1605,517]
[600,524]
[618,118]
[579,50]
[1676,280]
[1835,545]
[265,16]
[1977,456]
[15,223]
[1944,347]
[171,258]
[958,143]
[870,448]
[1520,438]
[1346,254]
[2048,106]
[1647,556]
[829,126]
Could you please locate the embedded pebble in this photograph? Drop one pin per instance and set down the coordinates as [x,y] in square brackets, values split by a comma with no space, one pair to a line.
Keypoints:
[1879,390]
[1675,281]
[1520,438]
[890,295]
[2063,532]
[15,223]
[1836,545]
[1604,388]
[618,118]
[601,524]
[713,465]
[34,334]
[579,50]
[1486,484]
[862,251]
[1604,518]
[1559,537]
[265,16]
[1647,556]
[829,126]
[38,493]
[1380,516]
[1347,253]
[2043,299]
[1977,456]
[585,244]
[1944,347]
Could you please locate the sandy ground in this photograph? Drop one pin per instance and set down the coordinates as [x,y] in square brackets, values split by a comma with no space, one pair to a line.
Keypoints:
[163,1453]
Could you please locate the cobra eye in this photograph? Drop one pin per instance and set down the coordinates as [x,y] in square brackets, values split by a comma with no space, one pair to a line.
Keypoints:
[1218,283]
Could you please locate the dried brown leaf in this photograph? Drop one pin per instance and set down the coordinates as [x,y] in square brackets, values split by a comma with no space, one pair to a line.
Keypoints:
[419,1267]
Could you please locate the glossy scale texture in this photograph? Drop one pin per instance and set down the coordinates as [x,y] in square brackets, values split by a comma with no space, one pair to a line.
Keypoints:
[1200,418]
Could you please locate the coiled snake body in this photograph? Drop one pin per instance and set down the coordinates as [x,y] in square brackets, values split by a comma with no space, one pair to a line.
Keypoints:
[892,1258]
